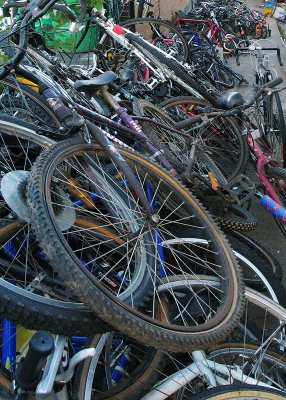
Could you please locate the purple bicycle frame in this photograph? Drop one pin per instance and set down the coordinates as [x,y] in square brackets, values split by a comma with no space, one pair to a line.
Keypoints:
[131,129]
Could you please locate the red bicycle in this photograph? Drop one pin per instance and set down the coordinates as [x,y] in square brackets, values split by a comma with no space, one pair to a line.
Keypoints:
[208,28]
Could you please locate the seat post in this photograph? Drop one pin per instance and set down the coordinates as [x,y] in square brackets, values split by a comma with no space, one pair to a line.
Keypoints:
[109,98]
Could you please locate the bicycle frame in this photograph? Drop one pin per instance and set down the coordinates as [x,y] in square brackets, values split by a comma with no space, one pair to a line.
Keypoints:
[161,72]
[262,162]
[211,31]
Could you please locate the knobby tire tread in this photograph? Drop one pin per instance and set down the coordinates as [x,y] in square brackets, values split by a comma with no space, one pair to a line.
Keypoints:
[93,296]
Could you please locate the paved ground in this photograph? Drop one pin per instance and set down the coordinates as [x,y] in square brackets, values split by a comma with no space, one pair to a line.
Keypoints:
[267,232]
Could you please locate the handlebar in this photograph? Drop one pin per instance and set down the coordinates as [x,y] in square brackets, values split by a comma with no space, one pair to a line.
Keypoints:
[36,10]
[216,114]
[248,50]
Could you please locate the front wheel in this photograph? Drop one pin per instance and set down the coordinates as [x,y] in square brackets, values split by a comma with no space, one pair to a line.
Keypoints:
[118,262]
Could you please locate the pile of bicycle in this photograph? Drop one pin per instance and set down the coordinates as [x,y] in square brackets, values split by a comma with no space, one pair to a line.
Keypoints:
[126,186]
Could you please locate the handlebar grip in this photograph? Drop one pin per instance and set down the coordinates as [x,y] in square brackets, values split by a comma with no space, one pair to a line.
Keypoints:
[29,370]
[274,82]
[189,121]
[274,208]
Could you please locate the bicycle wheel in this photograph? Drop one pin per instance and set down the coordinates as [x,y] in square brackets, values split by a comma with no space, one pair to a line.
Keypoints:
[22,101]
[133,382]
[141,261]
[222,138]
[244,357]
[236,218]
[272,365]
[213,69]
[233,392]
[121,369]
[178,371]
[31,294]
[187,378]
[159,32]
[275,127]
[257,254]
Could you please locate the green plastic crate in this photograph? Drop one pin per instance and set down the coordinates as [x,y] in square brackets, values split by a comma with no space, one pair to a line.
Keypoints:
[55,28]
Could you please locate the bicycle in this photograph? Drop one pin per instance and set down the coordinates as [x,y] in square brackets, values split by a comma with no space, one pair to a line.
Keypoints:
[99,87]
[122,206]
[269,118]
[209,28]
[261,145]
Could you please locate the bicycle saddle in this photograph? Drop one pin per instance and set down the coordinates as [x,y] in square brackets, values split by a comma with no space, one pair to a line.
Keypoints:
[92,84]
[230,100]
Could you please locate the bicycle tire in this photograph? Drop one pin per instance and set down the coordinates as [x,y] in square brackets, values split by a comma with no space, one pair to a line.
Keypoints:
[150,130]
[269,309]
[270,360]
[234,218]
[253,250]
[233,392]
[23,101]
[242,220]
[216,73]
[274,118]
[258,33]
[227,125]
[140,8]
[238,354]
[264,32]
[150,371]
[191,85]
[131,322]
[144,376]
[159,137]
[97,395]
[19,305]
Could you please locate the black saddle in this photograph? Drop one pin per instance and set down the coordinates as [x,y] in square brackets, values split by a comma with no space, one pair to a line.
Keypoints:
[230,100]
[89,85]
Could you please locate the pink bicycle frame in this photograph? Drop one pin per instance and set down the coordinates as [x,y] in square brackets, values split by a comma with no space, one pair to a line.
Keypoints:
[262,161]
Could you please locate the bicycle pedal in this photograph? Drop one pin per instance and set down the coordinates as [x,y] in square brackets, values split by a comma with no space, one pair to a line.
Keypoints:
[241,189]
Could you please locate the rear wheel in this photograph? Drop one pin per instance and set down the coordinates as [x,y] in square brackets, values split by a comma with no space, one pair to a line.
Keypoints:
[222,138]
